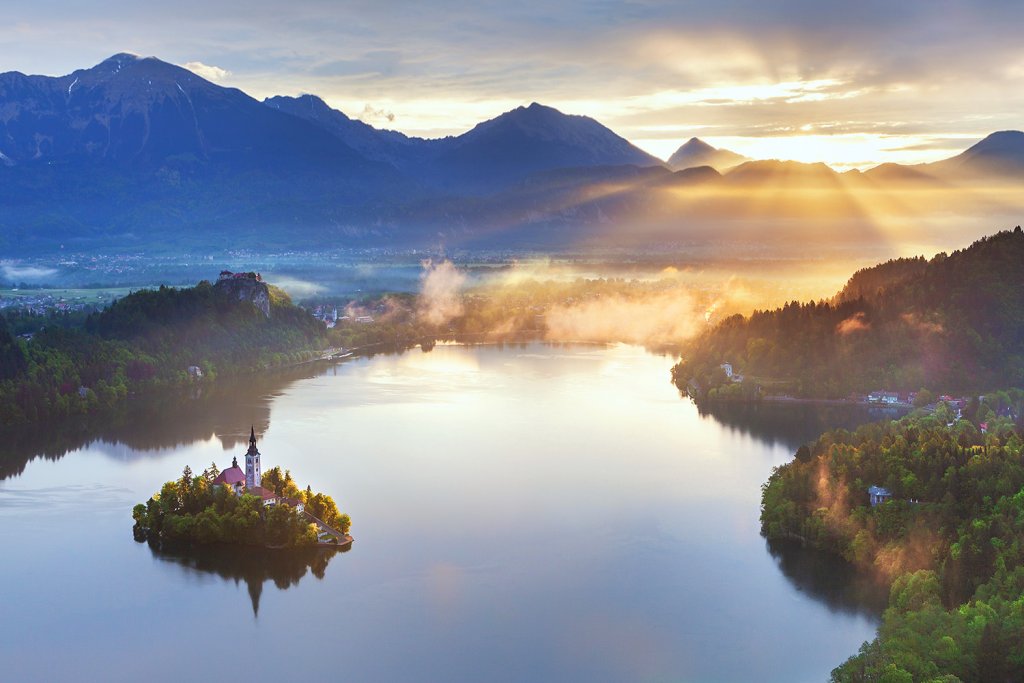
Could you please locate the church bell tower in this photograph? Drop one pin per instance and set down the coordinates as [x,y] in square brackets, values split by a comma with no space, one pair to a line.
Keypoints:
[253,474]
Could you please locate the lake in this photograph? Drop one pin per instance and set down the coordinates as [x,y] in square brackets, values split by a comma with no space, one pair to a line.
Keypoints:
[520,513]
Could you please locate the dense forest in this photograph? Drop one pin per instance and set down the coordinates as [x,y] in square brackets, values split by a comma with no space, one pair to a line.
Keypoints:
[954,323]
[951,538]
[193,509]
[151,338]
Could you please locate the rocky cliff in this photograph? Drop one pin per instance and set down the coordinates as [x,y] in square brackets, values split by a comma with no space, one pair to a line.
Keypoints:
[246,287]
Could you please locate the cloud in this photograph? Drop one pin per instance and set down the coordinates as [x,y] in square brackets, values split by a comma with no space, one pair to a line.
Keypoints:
[296,287]
[855,323]
[440,292]
[26,273]
[662,318]
[210,73]
[921,325]
[371,114]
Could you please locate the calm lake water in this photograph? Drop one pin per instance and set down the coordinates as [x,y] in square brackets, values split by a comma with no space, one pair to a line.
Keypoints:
[525,513]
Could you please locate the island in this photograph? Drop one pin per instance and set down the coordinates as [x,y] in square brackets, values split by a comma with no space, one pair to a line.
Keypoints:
[236,507]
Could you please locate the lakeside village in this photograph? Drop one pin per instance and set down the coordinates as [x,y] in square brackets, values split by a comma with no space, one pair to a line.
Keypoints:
[244,508]
[878,495]
[883,398]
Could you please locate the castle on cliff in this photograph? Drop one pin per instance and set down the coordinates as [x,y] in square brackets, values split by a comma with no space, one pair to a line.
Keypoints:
[247,286]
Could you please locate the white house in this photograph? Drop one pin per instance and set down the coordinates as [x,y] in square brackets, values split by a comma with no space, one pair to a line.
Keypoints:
[878,495]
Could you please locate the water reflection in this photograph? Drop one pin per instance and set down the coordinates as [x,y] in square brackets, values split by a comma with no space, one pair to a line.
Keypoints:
[829,579]
[171,419]
[254,566]
[168,420]
[793,424]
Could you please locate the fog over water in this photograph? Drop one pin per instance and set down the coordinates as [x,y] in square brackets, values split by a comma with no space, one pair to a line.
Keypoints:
[525,512]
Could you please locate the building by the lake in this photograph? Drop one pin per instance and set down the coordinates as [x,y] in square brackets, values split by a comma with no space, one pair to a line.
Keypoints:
[250,481]
[878,495]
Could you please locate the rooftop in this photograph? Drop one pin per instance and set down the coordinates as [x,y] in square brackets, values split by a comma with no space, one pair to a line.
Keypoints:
[230,476]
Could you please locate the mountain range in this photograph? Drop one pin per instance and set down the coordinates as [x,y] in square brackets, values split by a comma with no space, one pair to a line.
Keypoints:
[123,152]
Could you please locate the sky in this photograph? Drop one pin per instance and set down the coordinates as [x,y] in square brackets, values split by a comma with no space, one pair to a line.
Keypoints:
[853,84]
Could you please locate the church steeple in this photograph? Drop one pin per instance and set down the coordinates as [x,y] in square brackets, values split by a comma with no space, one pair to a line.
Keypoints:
[253,475]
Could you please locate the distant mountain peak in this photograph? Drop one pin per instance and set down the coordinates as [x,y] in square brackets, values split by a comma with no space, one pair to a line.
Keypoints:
[1004,135]
[314,107]
[1002,142]
[134,71]
[695,144]
[996,154]
[535,112]
[121,58]
[307,98]
[695,152]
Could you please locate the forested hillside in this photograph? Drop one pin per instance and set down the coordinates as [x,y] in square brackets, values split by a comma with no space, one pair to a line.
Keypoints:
[148,339]
[951,537]
[953,323]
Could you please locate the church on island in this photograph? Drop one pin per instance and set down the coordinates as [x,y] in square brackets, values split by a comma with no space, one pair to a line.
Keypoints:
[250,481]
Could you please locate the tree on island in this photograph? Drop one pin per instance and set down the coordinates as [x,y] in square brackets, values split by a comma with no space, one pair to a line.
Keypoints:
[211,472]
[280,483]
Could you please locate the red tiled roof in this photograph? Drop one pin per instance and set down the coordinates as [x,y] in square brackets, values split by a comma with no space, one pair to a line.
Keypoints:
[230,476]
[265,494]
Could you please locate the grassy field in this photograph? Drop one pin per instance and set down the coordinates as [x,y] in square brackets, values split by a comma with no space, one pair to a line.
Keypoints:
[96,296]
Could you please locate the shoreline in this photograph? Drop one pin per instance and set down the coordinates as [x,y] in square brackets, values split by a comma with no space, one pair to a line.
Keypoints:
[835,401]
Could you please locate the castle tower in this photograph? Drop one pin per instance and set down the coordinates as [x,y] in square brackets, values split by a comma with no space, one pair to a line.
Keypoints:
[253,474]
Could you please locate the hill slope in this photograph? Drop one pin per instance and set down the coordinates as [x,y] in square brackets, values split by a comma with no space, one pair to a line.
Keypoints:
[491,156]
[955,323]
[150,339]
[998,155]
[387,146]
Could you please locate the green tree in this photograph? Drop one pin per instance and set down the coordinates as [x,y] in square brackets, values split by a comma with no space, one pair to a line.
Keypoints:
[923,398]
[185,483]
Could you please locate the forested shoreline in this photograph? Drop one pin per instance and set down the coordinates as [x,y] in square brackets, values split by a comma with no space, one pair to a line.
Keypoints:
[951,540]
[149,340]
[952,324]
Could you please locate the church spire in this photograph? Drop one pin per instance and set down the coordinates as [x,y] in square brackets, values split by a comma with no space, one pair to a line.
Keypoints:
[252,442]
[253,471]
